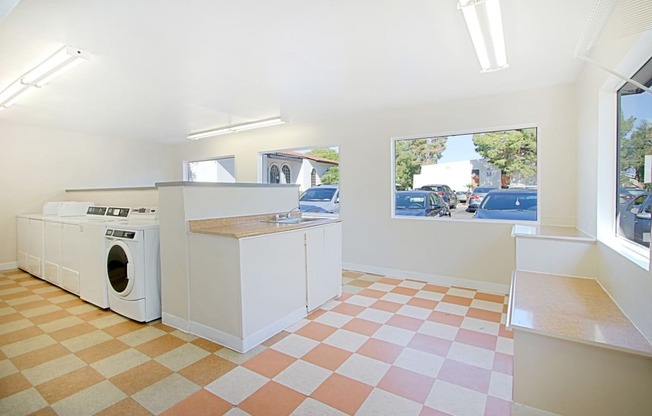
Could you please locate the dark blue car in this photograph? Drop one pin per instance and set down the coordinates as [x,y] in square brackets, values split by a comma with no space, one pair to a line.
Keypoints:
[420,204]
[635,219]
[509,204]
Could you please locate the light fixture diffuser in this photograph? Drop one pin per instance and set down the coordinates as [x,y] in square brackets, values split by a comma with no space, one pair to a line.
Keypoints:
[484,21]
[58,63]
[235,128]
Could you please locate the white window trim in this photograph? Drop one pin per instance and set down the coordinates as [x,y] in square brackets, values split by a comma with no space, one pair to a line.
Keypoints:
[392,185]
[606,163]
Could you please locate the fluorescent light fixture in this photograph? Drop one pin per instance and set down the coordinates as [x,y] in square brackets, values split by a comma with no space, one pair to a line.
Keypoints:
[235,128]
[58,63]
[485,24]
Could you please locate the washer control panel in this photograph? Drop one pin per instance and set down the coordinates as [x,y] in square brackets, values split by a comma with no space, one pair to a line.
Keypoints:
[129,235]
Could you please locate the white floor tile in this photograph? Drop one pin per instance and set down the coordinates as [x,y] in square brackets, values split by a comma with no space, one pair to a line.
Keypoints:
[398,336]
[451,308]
[53,369]
[303,377]
[439,330]
[414,312]
[182,357]
[237,385]
[90,401]
[428,295]
[165,393]
[420,362]
[396,298]
[346,340]
[312,407]
[375,315]
[382,403]
[479,325]
[337,320]
[120,362]
[486,305]
[364,369]
[469,354]
[500,385]
[456,400]
[361,301]
[23,403]
[295,345]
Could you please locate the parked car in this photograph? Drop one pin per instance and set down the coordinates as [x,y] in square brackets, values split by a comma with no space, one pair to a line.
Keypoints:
[321,199]
[509,204]
[476,197]
[626,195]
[421,204]
[635,219]
[444,191]
[462,196]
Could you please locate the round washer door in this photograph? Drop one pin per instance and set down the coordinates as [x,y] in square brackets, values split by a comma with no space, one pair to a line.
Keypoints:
[119,268]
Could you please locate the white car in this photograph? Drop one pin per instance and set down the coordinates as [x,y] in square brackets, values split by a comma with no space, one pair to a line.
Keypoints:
[321,199]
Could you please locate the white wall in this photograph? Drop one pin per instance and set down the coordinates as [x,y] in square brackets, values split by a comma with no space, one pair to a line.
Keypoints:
[483,252]
[38,165]
[629,284]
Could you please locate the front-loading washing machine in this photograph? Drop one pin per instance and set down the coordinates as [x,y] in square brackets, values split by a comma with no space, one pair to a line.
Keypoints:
[133,270]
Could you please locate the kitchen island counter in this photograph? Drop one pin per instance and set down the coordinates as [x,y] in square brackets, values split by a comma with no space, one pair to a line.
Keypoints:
[252,225]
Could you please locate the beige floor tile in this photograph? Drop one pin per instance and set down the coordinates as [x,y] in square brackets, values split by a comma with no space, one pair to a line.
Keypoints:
[120,362]
[53,369]
[62,323]
[90,400]
[166,393]
[182,357]
[27,345]
[22,403]
[87,340]
[142,335]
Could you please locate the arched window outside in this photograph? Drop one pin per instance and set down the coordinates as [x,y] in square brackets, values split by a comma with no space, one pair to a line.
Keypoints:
[274,175]
[286,173]
[313,178]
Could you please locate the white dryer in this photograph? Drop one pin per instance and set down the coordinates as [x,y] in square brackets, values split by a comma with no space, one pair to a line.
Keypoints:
[133,270]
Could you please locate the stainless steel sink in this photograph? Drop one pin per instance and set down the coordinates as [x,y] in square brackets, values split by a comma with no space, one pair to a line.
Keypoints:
[293,220]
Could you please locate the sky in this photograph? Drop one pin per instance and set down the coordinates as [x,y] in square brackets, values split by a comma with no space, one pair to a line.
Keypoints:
[459,148]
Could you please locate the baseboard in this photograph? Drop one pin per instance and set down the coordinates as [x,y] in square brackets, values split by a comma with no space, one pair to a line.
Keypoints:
[9,266]
[431,278]
[176,322]
[519,409]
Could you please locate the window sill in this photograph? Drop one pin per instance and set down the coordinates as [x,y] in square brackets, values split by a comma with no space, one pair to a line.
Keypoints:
[637,255]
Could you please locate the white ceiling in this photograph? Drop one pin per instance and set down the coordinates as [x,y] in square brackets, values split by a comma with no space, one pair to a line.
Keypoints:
[162,68]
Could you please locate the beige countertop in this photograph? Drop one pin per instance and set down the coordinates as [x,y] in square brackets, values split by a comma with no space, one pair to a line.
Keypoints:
[551,232]
[250,226]
[572,308]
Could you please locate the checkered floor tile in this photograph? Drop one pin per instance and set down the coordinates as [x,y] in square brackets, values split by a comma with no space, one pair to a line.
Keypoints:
[385,347]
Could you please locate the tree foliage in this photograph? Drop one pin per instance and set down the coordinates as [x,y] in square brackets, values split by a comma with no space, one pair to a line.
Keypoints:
[332,174]
[511,151]
[326,153]
[411,154]
[635,141]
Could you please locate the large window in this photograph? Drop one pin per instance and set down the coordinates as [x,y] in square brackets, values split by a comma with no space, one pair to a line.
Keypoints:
[211,170]
[634,147]
[485,175]
[315,170]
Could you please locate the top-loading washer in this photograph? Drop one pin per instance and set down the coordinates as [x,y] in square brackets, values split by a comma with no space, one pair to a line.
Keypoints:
[132,269]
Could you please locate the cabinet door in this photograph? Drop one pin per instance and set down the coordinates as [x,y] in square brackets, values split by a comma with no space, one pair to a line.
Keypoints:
[35,252]
[52,252]
[22,242]
[70,257]
[323,264]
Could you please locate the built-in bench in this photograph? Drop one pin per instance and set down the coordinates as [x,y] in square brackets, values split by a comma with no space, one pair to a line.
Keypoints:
[575,351]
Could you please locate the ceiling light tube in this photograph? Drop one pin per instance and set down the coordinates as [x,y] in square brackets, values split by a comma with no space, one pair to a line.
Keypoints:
[235,128]
[485,25]
[59,62]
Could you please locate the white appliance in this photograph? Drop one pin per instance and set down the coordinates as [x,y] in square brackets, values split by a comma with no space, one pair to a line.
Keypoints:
[132,270]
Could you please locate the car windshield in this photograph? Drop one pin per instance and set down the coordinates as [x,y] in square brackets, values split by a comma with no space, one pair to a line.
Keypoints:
[509,201]
[410,201]
[318,194]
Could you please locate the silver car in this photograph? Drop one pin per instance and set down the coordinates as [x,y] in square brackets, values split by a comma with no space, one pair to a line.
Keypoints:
[476,197]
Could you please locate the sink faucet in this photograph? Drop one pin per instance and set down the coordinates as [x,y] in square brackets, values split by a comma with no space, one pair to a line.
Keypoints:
[287,214]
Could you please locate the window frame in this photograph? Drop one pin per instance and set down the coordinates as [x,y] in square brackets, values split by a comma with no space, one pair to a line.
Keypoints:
[463,132]
[187,164]
[271,178]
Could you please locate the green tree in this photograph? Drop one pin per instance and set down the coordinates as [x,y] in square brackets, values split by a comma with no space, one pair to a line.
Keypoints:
[411,154]
[634,144]
[511,151]
[332,174]
[326,153]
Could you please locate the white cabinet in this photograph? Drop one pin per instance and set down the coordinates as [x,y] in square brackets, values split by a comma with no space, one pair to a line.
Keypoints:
[35,247]
[242,291]
[70,249]
[323,264]
[22,243]
[52,252]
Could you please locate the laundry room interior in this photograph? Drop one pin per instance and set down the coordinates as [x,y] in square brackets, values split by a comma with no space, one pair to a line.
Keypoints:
[201,215]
